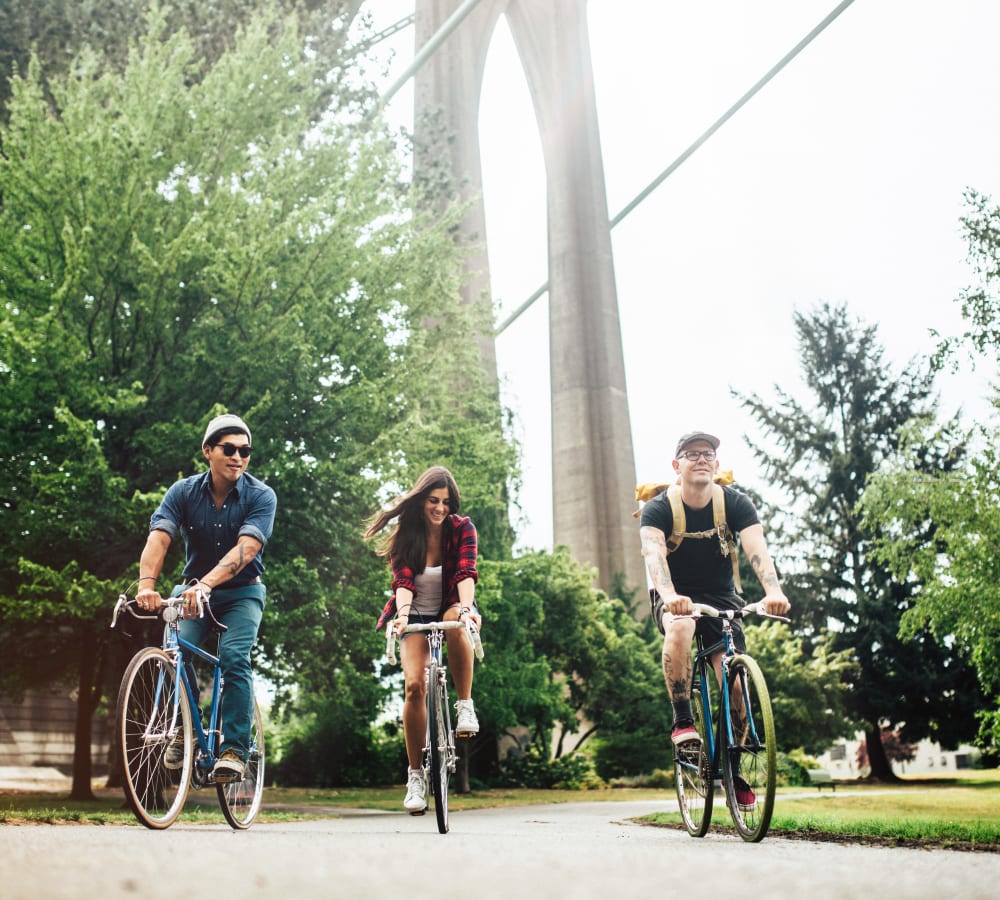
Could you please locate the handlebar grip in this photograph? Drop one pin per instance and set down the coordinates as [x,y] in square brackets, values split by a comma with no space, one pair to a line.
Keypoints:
[477,644]
[390,644]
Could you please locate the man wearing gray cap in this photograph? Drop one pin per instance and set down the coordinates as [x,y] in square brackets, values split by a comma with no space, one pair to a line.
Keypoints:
[700,570]
[225,516]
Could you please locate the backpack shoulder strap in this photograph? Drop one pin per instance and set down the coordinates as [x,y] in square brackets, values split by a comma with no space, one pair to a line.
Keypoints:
[727,543]
[680,520]
[718,505]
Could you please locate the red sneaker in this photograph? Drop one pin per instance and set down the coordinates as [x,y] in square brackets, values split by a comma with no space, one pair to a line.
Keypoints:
[745,797]
[686,735]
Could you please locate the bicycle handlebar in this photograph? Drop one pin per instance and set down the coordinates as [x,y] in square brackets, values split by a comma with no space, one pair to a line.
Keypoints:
[170,610]
[471,634]
[702,609]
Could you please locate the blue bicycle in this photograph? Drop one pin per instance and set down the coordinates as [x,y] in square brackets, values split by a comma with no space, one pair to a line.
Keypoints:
[158,708]
[738,748]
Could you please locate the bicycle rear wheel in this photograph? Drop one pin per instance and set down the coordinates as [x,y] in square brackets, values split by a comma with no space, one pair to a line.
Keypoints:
[438,720]
[693,769]
[144,718]
[240,800]
[749,751]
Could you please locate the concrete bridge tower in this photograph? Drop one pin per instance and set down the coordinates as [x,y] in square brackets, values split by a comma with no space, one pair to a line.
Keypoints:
[593,465]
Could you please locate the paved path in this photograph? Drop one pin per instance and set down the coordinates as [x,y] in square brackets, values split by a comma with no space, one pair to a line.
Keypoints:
[577,850]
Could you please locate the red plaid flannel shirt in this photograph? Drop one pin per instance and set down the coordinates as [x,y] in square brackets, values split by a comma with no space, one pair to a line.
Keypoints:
[458,561]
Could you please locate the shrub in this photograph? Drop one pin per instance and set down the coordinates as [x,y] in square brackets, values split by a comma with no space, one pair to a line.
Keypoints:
[530,768]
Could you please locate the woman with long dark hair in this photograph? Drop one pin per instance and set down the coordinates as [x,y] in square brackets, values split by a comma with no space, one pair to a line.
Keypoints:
[432,551]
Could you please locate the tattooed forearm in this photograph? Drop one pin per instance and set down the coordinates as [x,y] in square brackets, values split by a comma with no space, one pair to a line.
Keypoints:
[234,565]
[764,570]
[654,552]
[234,562]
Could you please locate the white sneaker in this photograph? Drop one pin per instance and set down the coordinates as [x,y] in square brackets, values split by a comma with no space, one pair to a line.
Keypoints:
[467,723]
[414,803]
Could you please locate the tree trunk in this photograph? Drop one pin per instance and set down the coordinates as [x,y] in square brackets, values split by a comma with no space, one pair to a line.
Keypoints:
[878,762]
[462,772]
[85,705]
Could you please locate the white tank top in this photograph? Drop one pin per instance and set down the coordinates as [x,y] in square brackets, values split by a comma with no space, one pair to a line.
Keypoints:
[428,585]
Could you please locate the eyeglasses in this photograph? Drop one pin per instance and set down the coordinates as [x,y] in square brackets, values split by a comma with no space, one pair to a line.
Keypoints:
[695,455]
[230,449]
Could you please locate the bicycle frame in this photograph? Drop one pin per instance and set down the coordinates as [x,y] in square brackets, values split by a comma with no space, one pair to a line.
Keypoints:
[208,738]
[703,670]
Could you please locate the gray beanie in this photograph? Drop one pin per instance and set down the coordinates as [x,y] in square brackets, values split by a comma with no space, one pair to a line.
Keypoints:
[228,420]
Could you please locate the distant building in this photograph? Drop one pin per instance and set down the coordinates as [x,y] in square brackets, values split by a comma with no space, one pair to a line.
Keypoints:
[841,759]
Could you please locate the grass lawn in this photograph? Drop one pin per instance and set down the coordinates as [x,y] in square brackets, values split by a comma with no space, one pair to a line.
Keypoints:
[958,813]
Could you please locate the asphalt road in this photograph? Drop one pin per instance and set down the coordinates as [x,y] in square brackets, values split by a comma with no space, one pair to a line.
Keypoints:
[579,851]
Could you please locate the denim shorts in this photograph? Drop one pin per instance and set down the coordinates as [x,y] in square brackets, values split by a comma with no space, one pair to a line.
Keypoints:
[418,619]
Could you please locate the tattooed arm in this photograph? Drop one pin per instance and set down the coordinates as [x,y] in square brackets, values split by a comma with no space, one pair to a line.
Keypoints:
[755,547]
[654,551]
[234,562]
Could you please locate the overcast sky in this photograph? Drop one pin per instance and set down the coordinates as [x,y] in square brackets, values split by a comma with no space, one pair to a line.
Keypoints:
[841,181]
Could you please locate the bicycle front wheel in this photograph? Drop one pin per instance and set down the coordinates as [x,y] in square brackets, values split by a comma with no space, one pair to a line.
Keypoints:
[749,752]
[693,769]
[146,727]
[240,800]
[438,721]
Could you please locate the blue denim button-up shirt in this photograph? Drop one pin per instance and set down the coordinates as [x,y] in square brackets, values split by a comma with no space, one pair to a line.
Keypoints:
[209,532]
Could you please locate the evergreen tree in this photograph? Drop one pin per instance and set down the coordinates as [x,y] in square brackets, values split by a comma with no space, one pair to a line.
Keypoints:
[822,455]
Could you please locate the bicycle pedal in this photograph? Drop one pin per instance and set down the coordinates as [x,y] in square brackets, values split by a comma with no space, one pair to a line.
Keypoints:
[419,812]
[228,779]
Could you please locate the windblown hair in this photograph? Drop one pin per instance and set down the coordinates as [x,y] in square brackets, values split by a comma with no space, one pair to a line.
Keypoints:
[407,541]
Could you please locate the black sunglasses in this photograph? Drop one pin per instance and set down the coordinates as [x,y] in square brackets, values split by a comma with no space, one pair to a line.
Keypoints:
[230,449]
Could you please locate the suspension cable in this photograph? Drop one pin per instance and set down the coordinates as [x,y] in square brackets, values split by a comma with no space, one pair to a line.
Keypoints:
[669,170]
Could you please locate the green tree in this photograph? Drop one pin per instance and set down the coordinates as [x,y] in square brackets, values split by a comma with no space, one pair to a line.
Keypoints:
[58,30]
[958,567]
[823,455]
[980,302]
[568,662]
[181,238]
[808,689]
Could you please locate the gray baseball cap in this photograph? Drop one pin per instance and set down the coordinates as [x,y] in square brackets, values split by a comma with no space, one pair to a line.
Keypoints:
[693,436]
[228,420]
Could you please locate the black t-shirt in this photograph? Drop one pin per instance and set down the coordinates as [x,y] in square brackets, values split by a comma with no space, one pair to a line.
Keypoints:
[698,568]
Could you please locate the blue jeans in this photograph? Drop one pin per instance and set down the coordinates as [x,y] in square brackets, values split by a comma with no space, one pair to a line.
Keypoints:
[240,610]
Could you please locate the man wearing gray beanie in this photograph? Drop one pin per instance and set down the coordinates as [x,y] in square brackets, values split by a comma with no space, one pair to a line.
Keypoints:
[225,516]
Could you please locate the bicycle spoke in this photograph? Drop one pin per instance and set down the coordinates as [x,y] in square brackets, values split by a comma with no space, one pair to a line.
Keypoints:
[437,717]
[749,750]
[693,772]
[241,800]
[146,726]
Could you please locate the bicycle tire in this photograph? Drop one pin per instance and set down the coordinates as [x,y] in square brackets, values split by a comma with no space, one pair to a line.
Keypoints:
[693,771]
[437,717]
[144,717]
[240,800]
[751,755]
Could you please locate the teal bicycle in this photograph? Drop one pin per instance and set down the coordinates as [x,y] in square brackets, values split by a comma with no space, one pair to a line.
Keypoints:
[738,748]
[157,707]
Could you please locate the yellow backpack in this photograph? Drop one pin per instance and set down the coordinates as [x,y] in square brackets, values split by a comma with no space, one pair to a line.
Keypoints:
[727,543]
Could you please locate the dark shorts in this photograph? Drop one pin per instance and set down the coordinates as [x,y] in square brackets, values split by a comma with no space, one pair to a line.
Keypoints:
[707,629]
